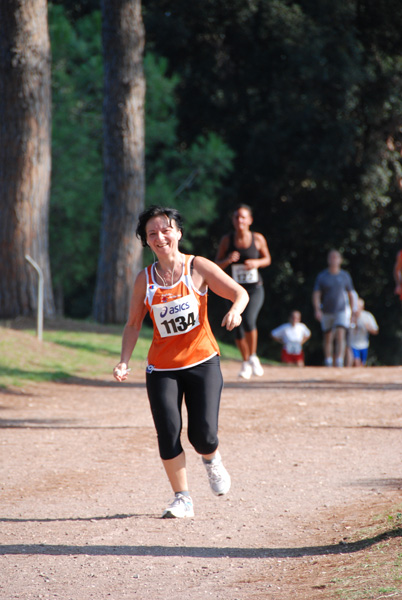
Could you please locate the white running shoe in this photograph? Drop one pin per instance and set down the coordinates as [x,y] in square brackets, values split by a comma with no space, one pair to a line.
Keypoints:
[180,508]
[246,370]
[219,478]
[256,367]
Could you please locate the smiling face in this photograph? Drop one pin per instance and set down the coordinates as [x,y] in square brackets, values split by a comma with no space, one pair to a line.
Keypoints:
[242,219]
[162,235]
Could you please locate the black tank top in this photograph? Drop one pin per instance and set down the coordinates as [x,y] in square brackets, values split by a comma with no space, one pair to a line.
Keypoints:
[245,253]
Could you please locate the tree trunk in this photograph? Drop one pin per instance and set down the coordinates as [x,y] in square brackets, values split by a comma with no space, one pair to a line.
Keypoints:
[121,253]
[25,141]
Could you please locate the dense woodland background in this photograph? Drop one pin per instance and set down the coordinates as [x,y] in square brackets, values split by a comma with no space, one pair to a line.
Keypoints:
[292,107]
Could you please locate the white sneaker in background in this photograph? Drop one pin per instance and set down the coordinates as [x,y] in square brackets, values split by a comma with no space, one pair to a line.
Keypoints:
[246,370]
[256,367]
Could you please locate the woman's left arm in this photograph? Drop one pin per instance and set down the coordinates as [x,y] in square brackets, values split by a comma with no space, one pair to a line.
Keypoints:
[207,273]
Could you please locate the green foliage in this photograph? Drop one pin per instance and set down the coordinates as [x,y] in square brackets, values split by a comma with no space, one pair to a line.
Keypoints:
[76,194]
[187,176]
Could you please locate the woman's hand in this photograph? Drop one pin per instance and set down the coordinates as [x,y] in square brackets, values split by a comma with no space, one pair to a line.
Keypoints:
[252,263]
[234,257]
[120,372]
[232,319]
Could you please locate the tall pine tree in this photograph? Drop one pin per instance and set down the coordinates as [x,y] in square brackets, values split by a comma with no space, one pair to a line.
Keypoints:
[25,117]
[120,254]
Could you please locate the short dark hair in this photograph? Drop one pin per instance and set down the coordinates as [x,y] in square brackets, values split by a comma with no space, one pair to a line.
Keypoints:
[245,206]
[156,211]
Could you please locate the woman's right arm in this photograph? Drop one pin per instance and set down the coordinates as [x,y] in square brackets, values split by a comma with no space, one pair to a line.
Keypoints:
[226,287]
[133,326]
[223,259]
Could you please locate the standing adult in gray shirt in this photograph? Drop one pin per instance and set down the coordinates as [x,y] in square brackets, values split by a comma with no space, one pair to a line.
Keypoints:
[329,301]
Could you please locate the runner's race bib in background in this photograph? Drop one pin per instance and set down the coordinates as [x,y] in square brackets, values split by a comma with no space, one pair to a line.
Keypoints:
[243,275]
[177,316]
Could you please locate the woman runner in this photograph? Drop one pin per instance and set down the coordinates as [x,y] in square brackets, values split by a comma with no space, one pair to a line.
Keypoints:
[183,359]
[245,252]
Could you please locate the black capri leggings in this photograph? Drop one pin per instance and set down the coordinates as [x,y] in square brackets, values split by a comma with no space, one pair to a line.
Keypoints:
[201,387]
[250,314]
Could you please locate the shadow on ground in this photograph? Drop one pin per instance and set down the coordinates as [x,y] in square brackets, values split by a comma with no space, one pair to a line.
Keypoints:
[198,551]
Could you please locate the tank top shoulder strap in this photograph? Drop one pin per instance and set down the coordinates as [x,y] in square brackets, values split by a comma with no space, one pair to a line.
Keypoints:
[148,273]
[188,275]
[150,286]
[188,264]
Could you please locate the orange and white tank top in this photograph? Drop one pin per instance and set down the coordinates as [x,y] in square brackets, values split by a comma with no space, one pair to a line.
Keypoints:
[182,334]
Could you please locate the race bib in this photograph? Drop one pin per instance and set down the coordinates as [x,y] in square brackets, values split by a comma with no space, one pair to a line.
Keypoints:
[293,347]
[243,275]
[177,316]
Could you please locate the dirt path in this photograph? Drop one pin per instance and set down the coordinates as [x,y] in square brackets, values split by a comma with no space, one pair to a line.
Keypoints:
[314,455]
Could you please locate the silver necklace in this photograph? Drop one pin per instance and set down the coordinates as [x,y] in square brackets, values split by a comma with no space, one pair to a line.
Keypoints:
[162,278]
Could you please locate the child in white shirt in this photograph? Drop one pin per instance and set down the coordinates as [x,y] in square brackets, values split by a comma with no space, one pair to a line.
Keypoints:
[292,336]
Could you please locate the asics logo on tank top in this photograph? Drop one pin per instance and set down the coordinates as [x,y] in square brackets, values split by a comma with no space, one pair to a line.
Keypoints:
[176,308]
